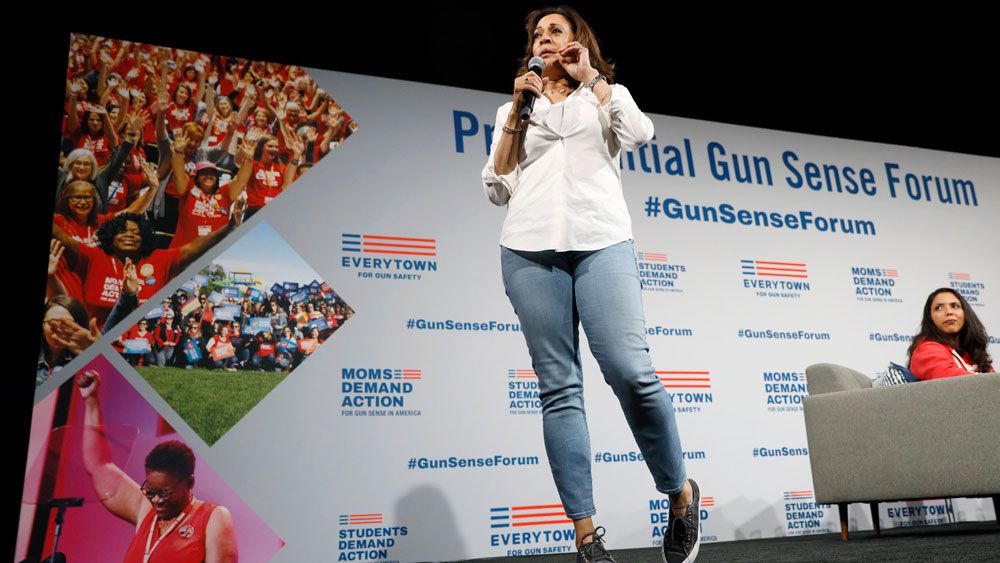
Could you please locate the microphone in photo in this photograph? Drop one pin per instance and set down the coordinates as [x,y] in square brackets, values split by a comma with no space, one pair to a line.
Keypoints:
[536,65]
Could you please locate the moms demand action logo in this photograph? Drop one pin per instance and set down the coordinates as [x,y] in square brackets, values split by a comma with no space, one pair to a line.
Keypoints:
[522,392]
[875,285]
[802,515]
[786,280]
[378,391]
[688,390]
[971,290]
[388,257]
[656,274]
[538,529]
[784,390]
[362,537]
[659,518]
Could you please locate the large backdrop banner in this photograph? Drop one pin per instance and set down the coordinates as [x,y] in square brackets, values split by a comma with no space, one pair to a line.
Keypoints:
[345,363]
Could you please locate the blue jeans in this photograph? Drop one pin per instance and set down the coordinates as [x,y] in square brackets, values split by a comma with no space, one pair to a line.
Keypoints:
[164,355]
[552,294]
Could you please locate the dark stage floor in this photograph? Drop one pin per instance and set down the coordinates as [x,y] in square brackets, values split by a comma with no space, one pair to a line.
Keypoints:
[966,541]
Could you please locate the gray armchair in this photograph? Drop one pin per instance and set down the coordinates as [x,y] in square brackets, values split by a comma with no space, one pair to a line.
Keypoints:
[931,439]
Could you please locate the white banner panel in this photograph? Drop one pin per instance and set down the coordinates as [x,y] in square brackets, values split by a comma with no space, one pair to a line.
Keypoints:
[415,432]
[437,466]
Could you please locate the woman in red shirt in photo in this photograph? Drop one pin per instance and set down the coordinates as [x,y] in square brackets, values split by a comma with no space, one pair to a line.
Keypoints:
[952,340]
[267,176]
[166,338]
[139,331]
[181,109]
[222,354]
[221,120]
[257,126]
[171,524]
[130,236]
[77,215]
[94,131]
[204,207]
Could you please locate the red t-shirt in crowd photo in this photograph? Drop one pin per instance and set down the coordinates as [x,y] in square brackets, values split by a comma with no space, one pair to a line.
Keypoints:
[217,131]
[102,277]
[265,183]
[178,115]
[86,235]
[96,143]
[200,215]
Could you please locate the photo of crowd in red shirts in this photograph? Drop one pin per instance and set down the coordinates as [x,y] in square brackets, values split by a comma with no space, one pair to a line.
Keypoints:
[164,152]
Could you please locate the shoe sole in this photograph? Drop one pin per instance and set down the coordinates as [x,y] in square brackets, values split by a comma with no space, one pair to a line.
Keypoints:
[691,556]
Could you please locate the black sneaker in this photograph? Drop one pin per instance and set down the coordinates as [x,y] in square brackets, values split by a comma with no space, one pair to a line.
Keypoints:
[594,551]
[683,537]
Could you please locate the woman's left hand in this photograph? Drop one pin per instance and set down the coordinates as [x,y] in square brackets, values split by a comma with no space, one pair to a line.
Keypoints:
[575,59]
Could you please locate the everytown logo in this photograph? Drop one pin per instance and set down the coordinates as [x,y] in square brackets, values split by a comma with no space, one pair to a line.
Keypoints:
[362,537]
[786,280]
[926,513]
[522,392]
[659,518]
[802,515]
[656,274]
[378,391]
[972,291]
[388,257]
[875,285]
[688,390]
[539,528]
[784,390]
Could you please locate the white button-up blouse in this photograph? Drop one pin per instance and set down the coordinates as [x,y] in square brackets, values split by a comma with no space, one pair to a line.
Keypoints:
[566,191]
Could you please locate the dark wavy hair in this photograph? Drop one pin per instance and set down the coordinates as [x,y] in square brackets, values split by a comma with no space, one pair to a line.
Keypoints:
[971,340]
[106,234]
[85,121]
[172,457]
[582,32]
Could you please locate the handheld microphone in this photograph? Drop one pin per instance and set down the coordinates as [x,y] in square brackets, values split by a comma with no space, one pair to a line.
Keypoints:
[536,65]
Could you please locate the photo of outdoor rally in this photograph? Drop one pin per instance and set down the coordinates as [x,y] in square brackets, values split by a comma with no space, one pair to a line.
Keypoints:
[218,345]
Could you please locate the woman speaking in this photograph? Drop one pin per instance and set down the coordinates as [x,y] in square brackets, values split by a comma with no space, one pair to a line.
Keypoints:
[567,259]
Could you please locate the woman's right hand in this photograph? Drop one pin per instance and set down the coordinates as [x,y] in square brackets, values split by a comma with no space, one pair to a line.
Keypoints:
[528,82]
[74,337]
[88,382]
[130,281]
[181,142]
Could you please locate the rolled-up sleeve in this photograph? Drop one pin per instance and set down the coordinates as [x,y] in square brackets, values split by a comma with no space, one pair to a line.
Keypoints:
[499,187]
[629,124]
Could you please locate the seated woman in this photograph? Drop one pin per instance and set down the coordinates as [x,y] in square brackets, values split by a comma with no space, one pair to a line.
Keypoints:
[952,340]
